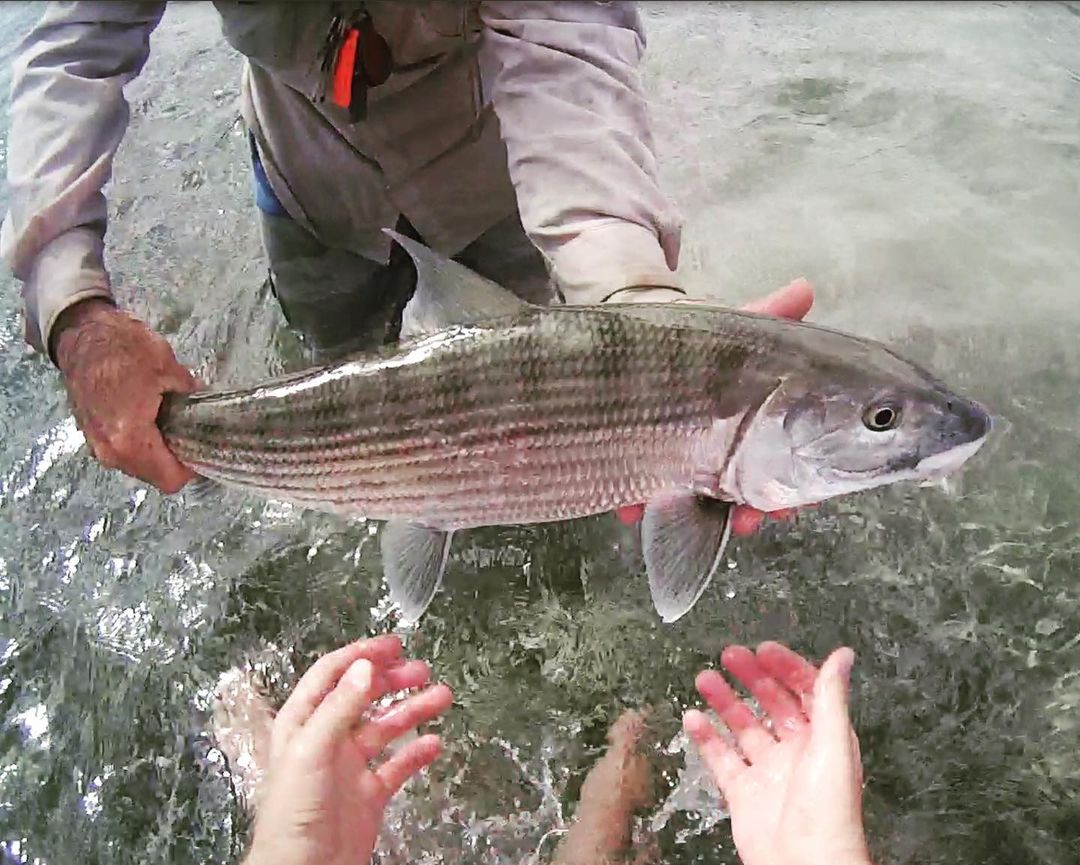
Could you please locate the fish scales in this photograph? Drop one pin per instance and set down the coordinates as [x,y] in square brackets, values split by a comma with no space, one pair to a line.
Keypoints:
[555,416]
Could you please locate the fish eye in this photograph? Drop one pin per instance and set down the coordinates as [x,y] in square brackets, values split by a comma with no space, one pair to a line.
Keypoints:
[881,418]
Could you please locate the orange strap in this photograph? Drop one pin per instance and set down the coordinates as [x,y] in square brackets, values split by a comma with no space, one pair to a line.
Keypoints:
[343,70]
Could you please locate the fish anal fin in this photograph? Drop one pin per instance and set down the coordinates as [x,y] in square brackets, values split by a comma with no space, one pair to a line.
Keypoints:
[414,560]
[683,537]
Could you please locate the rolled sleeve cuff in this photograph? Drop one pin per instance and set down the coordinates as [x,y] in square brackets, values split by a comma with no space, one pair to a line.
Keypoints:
[68,270]
[604,260]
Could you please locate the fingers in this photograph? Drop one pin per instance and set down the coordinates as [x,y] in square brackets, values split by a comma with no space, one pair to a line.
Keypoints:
[323,676]
[789,668]
[138,450]
[783,708]
[723,761]
[746,521]
[168,474]
[154,463]
[408,761]
[174,377]
[782,682]
[753,739]
[792,301]
[411,674]
[856,756]
[403,717]
[830,722]
[343,707]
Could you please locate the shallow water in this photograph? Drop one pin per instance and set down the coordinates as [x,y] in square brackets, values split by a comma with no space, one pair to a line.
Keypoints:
[917,162]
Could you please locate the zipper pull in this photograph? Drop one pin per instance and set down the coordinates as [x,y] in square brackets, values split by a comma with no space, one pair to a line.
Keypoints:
[345,69]
[363,60]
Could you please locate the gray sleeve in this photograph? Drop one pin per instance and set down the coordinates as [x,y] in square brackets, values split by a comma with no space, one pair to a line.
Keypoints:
[575,121]
[68,116]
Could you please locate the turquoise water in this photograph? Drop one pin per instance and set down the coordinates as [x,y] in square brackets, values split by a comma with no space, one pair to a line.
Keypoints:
[917,162]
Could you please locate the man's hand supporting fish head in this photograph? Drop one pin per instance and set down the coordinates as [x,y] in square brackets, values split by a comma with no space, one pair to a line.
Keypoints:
[792,301]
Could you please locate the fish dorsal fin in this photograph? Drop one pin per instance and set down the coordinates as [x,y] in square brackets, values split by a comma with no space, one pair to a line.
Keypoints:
[449,293]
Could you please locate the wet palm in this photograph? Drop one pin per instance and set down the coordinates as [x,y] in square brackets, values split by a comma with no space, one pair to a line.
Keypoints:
[324,799]
[794,789]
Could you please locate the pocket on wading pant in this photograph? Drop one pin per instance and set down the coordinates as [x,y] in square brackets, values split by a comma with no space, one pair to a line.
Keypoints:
[270,207]
[338,300]
[265,199]
[283,240]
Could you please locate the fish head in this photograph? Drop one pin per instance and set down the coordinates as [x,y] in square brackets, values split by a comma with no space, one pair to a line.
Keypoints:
[811,441]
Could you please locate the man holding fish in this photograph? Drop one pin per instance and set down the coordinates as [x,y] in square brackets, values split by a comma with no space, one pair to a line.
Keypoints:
[514,136]
[457,118]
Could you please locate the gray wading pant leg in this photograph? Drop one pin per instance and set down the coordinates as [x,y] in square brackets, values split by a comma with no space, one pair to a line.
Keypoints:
[504,254]
[341,302]
[336,300]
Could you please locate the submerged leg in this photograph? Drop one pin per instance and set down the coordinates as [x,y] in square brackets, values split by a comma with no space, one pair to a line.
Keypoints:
[617,786]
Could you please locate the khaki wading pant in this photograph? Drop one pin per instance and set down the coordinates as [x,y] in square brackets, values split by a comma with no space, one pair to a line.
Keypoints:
[341,302]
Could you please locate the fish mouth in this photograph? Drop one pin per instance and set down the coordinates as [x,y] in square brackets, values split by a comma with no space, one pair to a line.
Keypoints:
[970,425]
[932,468]
[943,464]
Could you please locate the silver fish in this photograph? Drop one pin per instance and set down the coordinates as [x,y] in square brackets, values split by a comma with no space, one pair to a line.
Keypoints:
[498,412]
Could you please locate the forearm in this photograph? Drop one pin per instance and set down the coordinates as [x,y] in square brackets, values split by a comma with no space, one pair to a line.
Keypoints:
[68,116]
[575,122]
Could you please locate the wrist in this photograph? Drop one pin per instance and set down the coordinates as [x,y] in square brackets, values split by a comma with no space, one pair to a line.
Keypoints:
[820,851]
[255,854]
[71,321]
[645,294]
[859,858]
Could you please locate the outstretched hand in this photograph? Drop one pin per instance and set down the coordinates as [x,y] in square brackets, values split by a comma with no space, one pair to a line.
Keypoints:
[325,793]
[792,301]
[794,788]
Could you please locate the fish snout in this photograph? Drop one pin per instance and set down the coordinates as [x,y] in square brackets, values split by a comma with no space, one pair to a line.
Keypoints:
[965,422]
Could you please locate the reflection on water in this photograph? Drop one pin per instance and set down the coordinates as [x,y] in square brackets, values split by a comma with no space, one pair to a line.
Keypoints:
[62,440]
[917,162]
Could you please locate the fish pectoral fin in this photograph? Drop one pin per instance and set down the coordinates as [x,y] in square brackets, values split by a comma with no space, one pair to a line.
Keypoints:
[449,293]
[414,559]
[683,537]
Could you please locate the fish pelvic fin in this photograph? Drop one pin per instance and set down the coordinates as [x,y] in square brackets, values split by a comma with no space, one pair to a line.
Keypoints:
[683,537]
[449,293]
[414,560]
